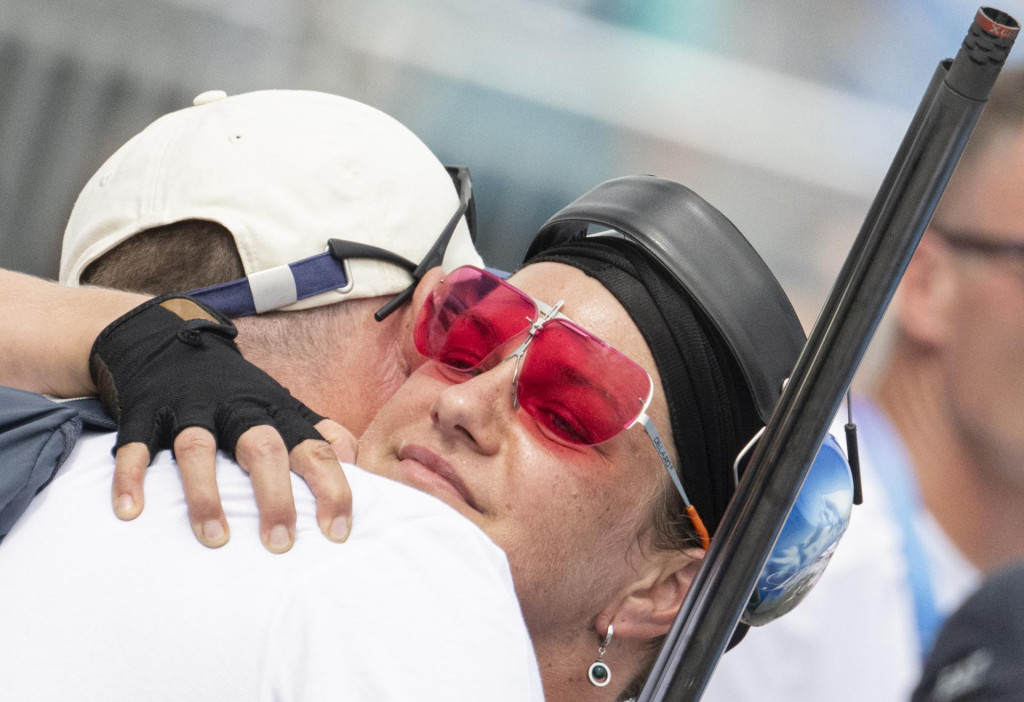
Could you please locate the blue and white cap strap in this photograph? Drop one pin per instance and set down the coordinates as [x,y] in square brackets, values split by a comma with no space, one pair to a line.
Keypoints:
[277,287]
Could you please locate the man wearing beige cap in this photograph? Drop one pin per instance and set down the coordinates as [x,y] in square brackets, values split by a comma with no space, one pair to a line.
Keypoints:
[247,193]
[261,189]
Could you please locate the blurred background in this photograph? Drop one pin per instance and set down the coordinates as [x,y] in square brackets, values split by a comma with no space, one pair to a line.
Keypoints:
[785,115]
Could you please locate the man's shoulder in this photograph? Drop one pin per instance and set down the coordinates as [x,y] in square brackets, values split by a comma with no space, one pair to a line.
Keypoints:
[415,582]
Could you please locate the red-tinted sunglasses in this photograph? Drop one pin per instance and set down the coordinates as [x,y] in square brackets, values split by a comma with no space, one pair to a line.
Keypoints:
[576,387]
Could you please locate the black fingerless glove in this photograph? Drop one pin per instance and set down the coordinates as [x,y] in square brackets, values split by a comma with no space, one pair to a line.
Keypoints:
[172,363]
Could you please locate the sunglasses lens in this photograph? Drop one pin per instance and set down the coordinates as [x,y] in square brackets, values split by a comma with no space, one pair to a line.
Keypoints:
[578,387]
[468,316]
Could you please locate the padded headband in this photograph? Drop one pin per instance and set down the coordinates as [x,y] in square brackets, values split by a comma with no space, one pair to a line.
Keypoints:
[709,258]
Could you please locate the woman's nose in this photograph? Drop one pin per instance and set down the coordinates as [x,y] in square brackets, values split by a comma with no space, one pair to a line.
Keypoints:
[479,410]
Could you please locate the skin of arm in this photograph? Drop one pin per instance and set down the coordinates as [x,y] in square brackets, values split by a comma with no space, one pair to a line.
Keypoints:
[49,332]
[48,335]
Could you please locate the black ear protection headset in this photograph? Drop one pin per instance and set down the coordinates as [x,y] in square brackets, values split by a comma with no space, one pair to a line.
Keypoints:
[729,282]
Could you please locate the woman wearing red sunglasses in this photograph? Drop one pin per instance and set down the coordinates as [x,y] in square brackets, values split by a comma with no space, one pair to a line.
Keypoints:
[587,416]
[533,427]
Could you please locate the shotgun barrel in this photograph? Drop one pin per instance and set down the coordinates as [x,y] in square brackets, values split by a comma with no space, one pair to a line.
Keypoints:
[892,228]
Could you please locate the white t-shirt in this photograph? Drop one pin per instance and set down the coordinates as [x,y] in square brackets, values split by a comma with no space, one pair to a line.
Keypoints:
[854,638]
[418,604]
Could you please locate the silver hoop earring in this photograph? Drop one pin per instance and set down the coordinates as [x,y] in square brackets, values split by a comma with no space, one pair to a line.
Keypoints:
[599,673]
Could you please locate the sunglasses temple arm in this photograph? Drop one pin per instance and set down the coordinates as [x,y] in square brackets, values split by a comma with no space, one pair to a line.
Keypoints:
[666,460]
[434,257]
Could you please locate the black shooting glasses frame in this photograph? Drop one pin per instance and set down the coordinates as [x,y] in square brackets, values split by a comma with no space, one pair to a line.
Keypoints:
[342,250]
[279,286]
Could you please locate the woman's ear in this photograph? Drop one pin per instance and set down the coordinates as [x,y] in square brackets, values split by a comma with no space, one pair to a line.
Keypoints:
[649,607]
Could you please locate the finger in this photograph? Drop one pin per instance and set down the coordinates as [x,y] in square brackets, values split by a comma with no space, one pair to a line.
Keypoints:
[195,451]
[130,463]
[262,453]
[316,463]
[341,440]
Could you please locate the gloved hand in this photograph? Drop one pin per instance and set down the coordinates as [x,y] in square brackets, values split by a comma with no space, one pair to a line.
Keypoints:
[172,363]
[170,373]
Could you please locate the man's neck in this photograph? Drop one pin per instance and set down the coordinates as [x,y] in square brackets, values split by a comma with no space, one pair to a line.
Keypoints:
[346,378]
[978,512]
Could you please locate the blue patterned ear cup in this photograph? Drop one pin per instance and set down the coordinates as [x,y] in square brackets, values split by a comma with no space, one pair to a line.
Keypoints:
[599,673]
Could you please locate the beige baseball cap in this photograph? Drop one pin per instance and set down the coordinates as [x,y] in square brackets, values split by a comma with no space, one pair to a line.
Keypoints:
[284,171]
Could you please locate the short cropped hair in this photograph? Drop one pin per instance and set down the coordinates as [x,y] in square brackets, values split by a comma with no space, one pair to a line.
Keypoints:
[195,253]
[185,255]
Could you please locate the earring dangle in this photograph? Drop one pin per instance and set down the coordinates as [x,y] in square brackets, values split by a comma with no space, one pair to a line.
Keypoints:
[599,673]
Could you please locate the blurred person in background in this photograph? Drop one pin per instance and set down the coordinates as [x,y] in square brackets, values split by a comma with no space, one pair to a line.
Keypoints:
[979,652]
[941,443]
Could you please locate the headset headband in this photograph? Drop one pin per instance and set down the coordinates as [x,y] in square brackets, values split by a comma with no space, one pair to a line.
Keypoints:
[709,258]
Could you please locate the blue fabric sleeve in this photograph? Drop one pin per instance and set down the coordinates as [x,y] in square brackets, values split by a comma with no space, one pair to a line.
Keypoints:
[36,436]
